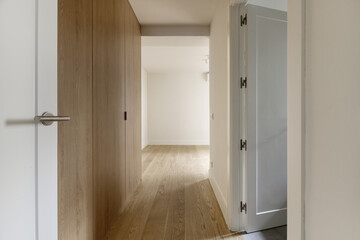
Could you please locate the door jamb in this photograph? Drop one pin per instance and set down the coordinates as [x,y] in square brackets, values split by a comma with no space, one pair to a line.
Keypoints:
[296,118]
[236,220]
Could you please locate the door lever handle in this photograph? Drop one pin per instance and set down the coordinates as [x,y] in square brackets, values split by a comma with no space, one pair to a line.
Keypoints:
[48,118]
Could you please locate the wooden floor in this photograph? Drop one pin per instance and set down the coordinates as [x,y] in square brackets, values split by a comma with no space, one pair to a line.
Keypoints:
[175,199]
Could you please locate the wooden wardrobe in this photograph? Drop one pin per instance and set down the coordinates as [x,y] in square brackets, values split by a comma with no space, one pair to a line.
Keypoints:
[99,86]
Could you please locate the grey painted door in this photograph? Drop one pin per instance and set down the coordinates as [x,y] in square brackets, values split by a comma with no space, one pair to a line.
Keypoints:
[266,125]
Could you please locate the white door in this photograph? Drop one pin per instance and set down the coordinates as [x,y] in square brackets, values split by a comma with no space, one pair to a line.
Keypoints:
[266,118]
[28,149]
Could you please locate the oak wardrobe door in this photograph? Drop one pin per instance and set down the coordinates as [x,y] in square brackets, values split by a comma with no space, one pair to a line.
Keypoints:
[99,80]
[75,182]
[108,116]
[133,100]
[137,100]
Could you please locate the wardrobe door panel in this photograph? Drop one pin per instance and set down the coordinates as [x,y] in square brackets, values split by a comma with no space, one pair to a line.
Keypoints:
[129,56]
[137,100]
[99,80]
[75,199]
[108,113]
[133,100]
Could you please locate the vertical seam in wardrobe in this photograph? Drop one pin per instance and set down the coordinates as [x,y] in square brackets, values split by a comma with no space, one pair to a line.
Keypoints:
[93,202]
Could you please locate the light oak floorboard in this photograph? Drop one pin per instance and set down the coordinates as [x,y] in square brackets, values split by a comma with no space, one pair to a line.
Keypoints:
[174,200]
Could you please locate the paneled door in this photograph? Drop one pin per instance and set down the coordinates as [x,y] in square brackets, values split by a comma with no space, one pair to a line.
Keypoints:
[266,119]
[28,149]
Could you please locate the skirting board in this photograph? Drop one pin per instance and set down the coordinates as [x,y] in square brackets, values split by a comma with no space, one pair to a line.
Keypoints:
[144,145]
[220,198]
[178,142]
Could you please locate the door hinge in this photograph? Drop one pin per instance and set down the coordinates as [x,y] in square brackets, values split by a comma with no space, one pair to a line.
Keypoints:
[243,207]
[125,116]
[243,20]
[243,145]
[243,82]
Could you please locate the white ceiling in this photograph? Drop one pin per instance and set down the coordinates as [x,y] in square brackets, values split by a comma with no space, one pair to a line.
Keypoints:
[174,12]
[175,54]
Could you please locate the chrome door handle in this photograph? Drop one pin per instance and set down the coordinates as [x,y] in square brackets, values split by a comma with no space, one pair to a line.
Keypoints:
[48,118]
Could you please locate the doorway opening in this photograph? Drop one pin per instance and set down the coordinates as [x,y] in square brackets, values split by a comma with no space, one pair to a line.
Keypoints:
[175,91]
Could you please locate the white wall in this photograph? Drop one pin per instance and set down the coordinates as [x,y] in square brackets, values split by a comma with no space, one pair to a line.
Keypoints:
[329,146]
[219,105]
[332,85]
[144,109]
[178,109]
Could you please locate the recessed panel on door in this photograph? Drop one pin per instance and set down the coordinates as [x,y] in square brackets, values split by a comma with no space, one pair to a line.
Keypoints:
[267,118]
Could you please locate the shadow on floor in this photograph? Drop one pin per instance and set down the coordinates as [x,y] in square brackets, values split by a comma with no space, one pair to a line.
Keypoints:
[271,234]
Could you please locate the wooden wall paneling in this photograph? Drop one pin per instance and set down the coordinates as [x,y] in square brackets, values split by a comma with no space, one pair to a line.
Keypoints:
[122,178]
[129,56]
[108,113]
[137,100]
[133,100]
[75,209]
[99,79]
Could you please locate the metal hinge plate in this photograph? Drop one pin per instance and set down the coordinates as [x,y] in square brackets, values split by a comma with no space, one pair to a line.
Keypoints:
[243,207]
[243,145]
[243,20]
[243,82]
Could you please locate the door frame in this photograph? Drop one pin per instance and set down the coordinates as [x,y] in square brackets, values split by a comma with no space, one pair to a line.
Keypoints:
[296,119]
